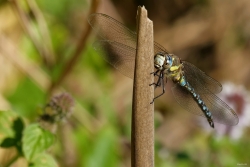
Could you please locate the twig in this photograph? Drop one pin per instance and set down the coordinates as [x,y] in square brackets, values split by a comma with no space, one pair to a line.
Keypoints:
[142,137]
[27,27]
[70,64]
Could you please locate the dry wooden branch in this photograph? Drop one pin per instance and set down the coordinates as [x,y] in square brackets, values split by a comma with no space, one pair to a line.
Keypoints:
[143,111]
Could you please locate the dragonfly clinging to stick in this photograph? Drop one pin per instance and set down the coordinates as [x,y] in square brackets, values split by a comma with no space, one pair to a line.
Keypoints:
[193,89]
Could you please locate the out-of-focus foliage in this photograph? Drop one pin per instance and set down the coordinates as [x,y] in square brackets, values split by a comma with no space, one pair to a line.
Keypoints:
[26,98]
[213,35]
[30,142]
[35,140]
[44,160]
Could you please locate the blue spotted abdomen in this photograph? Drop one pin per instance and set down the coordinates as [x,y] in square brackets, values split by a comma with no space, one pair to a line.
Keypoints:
[183,83]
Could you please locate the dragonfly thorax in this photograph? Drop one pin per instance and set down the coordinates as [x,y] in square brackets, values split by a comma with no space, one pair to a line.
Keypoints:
[173,68]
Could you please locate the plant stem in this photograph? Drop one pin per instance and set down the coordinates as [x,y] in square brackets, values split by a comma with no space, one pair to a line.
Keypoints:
[75,56]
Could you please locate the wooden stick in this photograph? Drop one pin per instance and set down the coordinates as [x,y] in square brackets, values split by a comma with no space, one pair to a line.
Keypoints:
[142,137]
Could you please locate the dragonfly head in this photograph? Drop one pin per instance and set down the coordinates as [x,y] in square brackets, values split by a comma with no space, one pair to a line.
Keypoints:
[159,60]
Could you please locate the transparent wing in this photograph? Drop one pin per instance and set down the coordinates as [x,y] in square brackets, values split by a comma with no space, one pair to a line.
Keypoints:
[121,56]
[112,30]
[221,112]
[158,48]
[200,80]
[110,50]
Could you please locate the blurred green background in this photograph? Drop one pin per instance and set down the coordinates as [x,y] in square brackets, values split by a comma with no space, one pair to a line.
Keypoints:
[39,39]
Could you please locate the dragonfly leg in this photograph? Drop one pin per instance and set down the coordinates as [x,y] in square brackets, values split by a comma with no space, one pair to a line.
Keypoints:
[163,87]
[155,73]
[157,84]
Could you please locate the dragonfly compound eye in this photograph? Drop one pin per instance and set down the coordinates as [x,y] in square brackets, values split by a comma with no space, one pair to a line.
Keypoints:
[159,61]
[169,60]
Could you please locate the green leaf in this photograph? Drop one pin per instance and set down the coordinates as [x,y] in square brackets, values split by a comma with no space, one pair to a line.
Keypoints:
[18,127]
[36,140]
[15,125]
[8,142]
[6,122]
[43,160]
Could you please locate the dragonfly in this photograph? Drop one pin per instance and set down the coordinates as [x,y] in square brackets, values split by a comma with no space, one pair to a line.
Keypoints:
[193,89]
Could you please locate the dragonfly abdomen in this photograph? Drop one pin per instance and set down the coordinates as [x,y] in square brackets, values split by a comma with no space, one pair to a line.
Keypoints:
[183,83]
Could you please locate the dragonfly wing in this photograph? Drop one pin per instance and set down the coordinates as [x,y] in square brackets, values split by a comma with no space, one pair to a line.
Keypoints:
[185,100]
[110,29]
[199,80]
[121,56]
[126,67]
[158,48]
[221,112]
